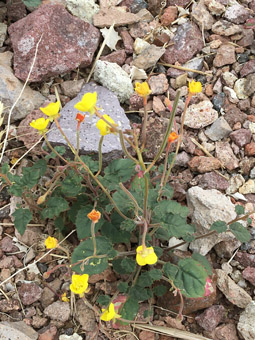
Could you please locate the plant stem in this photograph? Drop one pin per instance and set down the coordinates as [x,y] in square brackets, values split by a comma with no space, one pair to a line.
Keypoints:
[93,237]
[100,158]
[145,229]
[52,149]
[78,140]
[122,142]
[65,137]
[145,120]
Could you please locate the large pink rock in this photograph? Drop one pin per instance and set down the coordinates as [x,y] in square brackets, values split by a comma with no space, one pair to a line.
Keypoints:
[67,42]
[187,42]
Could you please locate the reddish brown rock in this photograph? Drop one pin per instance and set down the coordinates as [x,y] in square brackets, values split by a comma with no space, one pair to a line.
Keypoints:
[241,137]
[157,105]
[181,3]
[226,155]
[234,115]
[16,10]
[245,259]
[136,102]
[158,84]
[6,262]
[50,333]
[117,57]
[146,335]
[249,275]
[225,55]
[211,317]
[212,180]
[105,17]
[249,149]
[226,332]
[169,15]
[7,306]
[67,42]
[8,246]
[29,293]
[128,41]
[187,42]
[204,164]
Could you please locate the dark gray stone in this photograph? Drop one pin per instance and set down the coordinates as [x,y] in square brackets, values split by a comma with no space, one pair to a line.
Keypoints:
[108,103]
[218,130]
[218,101]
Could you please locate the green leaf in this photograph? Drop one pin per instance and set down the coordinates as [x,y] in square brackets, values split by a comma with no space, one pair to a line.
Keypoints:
[85,250]
[59,149]
[123,287]
[128,225]
[168,191]
[140,293]
[32,4]
[123,202]
[155,274]
[129,264]
[30,177]
[82,201]
[126,267]
[40,165]
[204,262]
[93,165]
[21,219]
[240,232]
[146,279]
[129,309]
[239,209]
[158,251]
[5,168]
[60,224]
[219,226]
[118,171]
[189,276]
[55,205]
[103,300]
[177,226]
[159,290]
[249,221]
[114,233]
[170,207]
[71,186]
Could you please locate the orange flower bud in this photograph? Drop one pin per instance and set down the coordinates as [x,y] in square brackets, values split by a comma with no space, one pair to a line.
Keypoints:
[94,215]
[79,117]
[172,137]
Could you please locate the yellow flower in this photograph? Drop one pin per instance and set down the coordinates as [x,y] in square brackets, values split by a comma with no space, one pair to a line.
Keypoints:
[94,215]
[195,87]
[51,242]
[40,124]
[109,313]
[79,284]
[51,110]
[104,128]
[88,103]
[145,256]
[142,89]
[64,298]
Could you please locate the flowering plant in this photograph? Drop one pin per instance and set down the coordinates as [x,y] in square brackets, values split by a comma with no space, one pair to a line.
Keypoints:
[123,203]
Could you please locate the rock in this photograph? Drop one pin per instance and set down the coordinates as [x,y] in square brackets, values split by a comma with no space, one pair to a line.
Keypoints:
[142,28]
[39,322]
[3,32]
[157,105]
[140,45]
[211,180]
[201,16]
[226,332]
[239,88]
[226,28]
[237,13]
[117,57]
[249,275]
[50,333]
[226,156]
[215,7]
[66,44]
[187,42]
[134,6]
[249,85]
[48,295]
[230,93]
[75,336]
[105,17]
[249,149]
[59,311]
[71,88]
[85,316]
[180,81]
[241,137]
[182,159]
[89,135]
[234,115]
[84,10]
[248,187]
[29,293]
[235,181]
[170,14]
[7,306]
[6,262]
[206,207]
[158,84]
[204,164]
[30,237]
[229,79]
[226,249]
[147,335]
[218,130]
[136,102]
[148,57]
[200,115]
[245,259]
[17,330]
[247,40]
[195,64]
[7,245]
[218,101]
[128,41]
[16,10]
[225,55]
[248,68]
[246,322]
[235,294]
[113,77]
[107,275]
[211,317]
[10,88]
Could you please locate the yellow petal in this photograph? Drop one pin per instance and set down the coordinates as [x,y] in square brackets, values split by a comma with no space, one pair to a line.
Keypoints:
[51,110]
